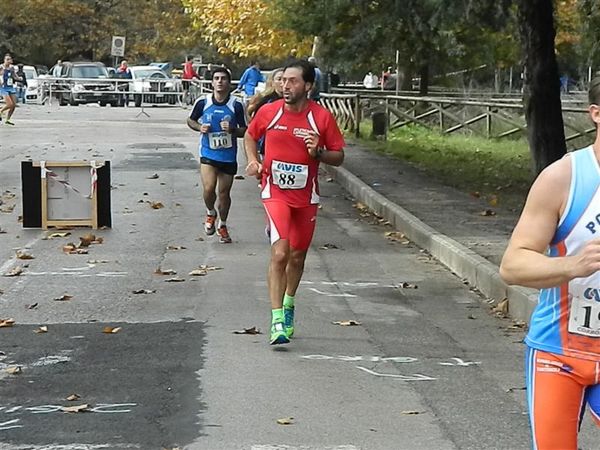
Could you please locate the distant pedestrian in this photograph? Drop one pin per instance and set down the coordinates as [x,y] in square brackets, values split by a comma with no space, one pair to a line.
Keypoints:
[8,80]
[370,81]
[221,120]
[250,79]
[315,93]
[555,247]
[21,84]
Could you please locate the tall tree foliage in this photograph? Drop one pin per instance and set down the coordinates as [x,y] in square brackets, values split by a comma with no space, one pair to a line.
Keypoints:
[543,109]
[245,28]
[43,31]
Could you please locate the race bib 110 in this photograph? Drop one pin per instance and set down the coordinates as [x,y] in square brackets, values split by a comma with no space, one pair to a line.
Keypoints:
[220,140]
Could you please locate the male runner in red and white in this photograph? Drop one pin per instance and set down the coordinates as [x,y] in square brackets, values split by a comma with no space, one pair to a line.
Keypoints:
[299,135]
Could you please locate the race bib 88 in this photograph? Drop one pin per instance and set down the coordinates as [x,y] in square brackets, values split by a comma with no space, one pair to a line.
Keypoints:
[289,175]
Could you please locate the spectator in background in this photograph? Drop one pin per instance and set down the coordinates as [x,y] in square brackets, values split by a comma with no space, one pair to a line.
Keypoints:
[250,79]
[334,78]
[370,81]
[123,70]
[385,76]
[315,93]
[188,75]
[57,69]
[21,84]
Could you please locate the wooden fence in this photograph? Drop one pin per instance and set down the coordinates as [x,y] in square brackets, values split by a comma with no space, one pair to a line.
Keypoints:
[497,118]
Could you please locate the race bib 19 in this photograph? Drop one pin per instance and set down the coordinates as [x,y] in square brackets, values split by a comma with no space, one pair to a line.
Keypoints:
[584,317]
[220,140]
[289,175]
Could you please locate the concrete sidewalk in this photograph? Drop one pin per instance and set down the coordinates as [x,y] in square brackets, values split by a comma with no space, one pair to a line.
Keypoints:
[444,221]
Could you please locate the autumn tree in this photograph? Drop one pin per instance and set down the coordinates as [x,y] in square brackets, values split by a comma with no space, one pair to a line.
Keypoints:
[543,110]
[245,28]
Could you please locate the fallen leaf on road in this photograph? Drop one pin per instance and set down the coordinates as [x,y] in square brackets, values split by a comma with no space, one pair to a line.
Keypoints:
[160,271]
[144,291]
[347,323]
[7,208]
[73,397]
[22,254]
[14,370]
[58,235]
[239,177]
[75,409]
[156,205]
[252,330]
[200,239]
[14,272]
[63,298]
[42,329]
[209,268]
[328,247]
[471,316]
[5,323]
[174,280]
[97,261]
[87,240]
[32,306]
[411,413]
[111,330]
[2,230]
[405,285]
[501,308]
[286,421]
[198,273]
[493,200]
[476,194]
[72,249]
[153,177]
[487,212]
[176,247]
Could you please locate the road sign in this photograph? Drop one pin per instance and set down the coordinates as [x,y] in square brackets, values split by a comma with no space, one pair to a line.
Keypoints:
[118,46]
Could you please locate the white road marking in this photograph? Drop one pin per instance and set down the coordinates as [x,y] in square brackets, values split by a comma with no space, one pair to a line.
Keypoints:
[332,294]
[10,425]
[344,358]
[460,362]
[413,377]
[303,447]
[4,267]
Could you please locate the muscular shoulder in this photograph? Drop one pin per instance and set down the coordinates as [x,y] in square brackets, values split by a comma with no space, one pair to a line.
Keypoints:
[552,185]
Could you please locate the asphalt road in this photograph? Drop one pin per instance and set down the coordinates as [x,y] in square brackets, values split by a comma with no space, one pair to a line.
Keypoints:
[429,367]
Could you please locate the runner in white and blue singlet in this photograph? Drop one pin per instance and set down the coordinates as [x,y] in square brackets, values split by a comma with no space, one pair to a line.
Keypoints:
[8,79]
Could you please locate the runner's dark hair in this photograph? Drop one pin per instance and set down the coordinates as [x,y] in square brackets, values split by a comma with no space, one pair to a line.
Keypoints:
[594,92]
[221,69]
[308,71]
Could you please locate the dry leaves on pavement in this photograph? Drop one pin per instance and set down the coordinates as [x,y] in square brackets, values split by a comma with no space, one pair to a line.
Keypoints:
[111,330]
[73,249]
[14,370]
[397,236]
[153,177]
[5,323]
[160,271]
[156,205]
[32,306]
[501,309]
[63,298]
[175,280]
[58,235]
[487,213]
[14,272]
[76,409]
[144,291]
[22,254]
[203,269]
[252,330]
[329,247]
[347,323]
[89,239]
[405,285]
[285,421]
[176,247]
[73,397]
[411,413]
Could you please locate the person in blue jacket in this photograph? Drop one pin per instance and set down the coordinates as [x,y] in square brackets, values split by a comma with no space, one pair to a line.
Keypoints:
[250,79]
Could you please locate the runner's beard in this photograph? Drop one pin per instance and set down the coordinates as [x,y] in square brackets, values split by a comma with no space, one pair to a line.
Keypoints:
[292,99]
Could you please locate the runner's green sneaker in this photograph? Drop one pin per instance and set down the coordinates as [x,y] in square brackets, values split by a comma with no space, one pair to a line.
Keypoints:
[278,334]
[288,320]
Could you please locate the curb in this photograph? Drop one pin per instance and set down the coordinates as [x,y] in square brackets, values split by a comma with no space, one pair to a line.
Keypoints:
[464,262]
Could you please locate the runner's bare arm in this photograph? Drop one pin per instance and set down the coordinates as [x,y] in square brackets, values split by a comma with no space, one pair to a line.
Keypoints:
[200,127]
[333,158]
[525,262]
[254,167]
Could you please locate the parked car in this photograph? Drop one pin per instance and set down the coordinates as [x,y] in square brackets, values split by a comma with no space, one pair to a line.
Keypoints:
[75,89]
[32,94]
[151,85]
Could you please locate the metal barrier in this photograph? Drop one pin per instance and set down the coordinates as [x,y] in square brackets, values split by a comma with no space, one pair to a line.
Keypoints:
[113,91]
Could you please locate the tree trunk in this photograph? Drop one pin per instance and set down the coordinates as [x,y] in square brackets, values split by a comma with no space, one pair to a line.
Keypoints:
[424,79]
[541,89]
